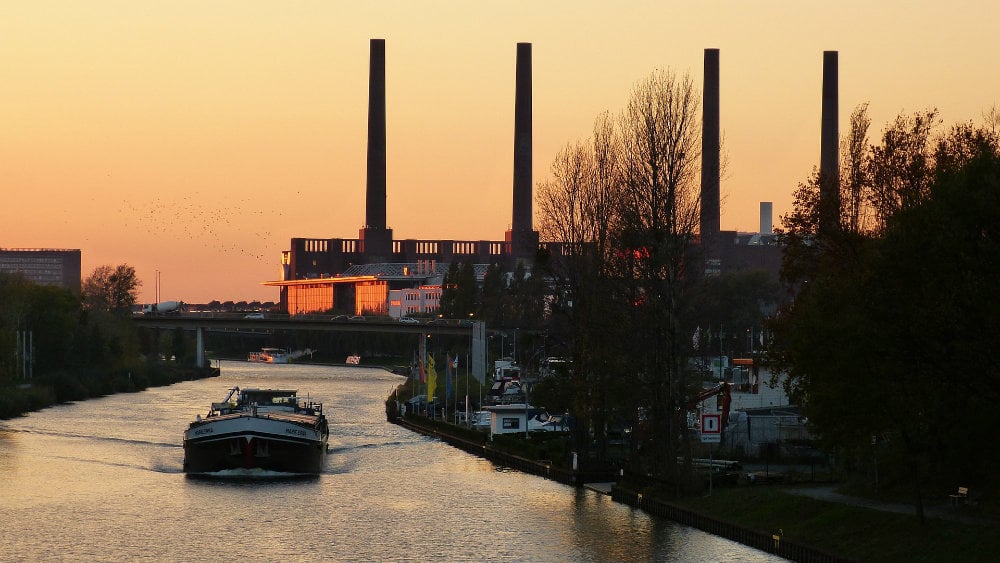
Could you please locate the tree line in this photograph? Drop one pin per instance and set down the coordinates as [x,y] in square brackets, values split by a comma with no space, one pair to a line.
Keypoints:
[890,342]
[57,345]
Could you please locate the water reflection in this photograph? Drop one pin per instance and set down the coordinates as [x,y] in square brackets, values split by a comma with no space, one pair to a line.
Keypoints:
[8,450]
[627,536]
[102,480]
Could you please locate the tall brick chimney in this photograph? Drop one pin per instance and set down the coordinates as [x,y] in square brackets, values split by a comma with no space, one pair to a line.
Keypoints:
[376,239]
[710,201]
[829,159]
[522,237]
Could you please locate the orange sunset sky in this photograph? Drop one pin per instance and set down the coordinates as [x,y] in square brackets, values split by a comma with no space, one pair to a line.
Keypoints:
[197,137]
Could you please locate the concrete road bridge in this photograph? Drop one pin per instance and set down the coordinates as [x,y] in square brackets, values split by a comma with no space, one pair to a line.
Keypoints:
[242,322]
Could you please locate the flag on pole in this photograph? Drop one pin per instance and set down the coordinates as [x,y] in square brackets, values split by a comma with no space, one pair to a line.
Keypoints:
[431,378]
[447,377]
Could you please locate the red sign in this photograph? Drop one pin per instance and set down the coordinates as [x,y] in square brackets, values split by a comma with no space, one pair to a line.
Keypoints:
[711,424]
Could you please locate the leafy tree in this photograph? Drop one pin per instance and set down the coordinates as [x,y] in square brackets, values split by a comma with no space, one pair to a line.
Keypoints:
[113,289]
[49,314]
[735,303]
[935,307]
[459,293]
[449,291]
[14,306]
[527,292]
[494,298]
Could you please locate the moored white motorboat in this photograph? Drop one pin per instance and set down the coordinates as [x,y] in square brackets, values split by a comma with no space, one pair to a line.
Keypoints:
[270,356]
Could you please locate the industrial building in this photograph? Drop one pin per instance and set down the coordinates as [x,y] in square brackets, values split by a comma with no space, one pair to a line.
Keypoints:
[58,267]
[358,274]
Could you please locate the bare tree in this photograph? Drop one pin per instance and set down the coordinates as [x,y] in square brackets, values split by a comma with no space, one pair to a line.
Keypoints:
[562,200]
[991,122]
[902,166]
[855,176]
[578,205]
[660,134]
[660,151]
[578,208]
[625,205]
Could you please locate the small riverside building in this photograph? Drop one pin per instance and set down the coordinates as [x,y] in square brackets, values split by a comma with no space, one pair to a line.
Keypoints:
[513,418]
[508,419]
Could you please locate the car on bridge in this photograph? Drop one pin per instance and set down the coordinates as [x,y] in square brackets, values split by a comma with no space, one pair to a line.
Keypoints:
[254,316]
[409,321]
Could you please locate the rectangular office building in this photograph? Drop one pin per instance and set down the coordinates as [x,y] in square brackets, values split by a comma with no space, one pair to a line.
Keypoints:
[43,266]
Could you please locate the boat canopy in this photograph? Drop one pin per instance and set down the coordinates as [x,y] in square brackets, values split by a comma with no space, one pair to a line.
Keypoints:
[268,396]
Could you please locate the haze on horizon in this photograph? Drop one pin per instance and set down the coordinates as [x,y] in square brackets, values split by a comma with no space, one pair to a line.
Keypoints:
[195,139]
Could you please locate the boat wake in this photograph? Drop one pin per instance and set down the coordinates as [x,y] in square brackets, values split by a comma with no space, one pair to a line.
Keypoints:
[95,437]
[356,447]
[110,451]
[174,469]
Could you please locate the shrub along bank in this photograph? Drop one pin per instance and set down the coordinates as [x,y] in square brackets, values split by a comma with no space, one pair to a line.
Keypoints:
[64,386]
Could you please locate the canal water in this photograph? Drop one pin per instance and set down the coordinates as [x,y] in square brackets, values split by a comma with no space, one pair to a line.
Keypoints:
[101,480]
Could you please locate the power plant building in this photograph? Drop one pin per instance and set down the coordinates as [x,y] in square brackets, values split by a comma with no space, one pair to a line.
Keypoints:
[368,274]
[357,275]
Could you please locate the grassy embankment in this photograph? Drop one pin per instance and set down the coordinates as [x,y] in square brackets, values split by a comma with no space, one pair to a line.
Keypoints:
[861,534]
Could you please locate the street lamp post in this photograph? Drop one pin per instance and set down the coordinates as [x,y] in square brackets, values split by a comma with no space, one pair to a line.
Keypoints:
[525,384]
[486,370]
[515,346]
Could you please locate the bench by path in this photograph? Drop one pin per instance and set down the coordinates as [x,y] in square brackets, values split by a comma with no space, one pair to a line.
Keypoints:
[829,494]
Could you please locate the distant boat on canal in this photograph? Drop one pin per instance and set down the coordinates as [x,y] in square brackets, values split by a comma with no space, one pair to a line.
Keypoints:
[270,356]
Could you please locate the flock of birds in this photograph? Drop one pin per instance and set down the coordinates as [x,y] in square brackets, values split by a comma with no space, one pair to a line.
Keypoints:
[240,227]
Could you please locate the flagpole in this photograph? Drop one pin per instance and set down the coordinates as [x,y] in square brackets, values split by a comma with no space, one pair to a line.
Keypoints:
[467,389]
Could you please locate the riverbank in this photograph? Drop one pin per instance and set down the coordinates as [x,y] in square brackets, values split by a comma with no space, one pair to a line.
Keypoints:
[777,519]
[63,387]
[476,442]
